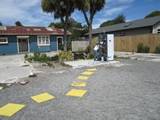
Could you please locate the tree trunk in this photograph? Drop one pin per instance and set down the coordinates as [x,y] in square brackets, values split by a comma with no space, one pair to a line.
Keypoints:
[90,34]
[65,38]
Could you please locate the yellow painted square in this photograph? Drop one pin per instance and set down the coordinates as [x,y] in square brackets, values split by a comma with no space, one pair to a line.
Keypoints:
[42,97]
[83,77]
[91,70]
[79,84]
[87,73]
[76,93]
[10,109]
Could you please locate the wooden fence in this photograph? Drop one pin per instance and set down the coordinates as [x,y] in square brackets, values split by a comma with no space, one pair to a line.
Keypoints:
[79,45]
[130,43]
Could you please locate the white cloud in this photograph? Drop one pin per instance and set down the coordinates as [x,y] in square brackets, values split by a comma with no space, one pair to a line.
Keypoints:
[27,11]
[111,9]
[110,12]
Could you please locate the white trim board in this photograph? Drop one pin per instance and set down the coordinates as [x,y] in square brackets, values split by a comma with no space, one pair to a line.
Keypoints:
[18,44]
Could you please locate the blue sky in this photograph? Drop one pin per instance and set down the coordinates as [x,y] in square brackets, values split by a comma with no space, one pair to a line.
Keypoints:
[29,11]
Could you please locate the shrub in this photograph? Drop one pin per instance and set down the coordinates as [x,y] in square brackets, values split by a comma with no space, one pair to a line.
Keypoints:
[65,56]
[37,57]
[90,56]
[142,49]
[55,58]
[88,49]
[43,58]
[146,49]
[25,56]
[79,55]
[157,49]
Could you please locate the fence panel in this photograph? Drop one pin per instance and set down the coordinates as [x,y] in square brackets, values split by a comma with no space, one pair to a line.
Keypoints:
[130,43]
[79,45]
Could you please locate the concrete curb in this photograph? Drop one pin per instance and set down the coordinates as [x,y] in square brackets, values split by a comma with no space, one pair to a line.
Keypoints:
[89,63]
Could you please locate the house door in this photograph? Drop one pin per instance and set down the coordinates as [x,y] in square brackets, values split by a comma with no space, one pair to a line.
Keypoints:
[23,45]
[60,43]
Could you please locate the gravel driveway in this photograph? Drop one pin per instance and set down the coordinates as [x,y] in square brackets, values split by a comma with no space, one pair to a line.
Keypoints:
[130,91]
[11,68]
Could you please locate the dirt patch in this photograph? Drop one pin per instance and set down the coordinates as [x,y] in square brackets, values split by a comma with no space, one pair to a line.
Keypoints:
[52,66]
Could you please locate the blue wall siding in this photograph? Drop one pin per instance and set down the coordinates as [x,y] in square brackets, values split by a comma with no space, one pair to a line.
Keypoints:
[35,48]
[54,46]
[11,47]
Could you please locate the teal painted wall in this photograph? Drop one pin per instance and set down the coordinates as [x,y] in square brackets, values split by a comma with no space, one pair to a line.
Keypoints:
[35,48]
[11,47]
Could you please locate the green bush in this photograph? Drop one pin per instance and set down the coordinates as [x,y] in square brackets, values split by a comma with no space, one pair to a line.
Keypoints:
[65,56]
[25,56]
[55,58]
[43,58]
[37,57]
[79,55]
[88,49]
[157,49]
[142,49]
[90,56]
[146,49]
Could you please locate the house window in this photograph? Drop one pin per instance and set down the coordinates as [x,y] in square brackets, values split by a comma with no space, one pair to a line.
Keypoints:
[3,40]
[43,40]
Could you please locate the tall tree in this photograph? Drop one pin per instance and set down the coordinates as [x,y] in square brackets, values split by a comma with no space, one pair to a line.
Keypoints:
[75,27]
[153,14]
[117,20]
[62,9]
[18,23]
[120,19]
[1,23]
[89,8]
[56,25]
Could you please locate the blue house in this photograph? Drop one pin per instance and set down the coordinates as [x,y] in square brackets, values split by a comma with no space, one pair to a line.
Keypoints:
[19,39]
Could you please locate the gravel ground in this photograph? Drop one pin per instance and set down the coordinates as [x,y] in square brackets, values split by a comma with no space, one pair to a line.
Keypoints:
[12,67]
[129,91]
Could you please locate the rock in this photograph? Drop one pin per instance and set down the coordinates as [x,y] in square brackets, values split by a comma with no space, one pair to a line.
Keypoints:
[25,65]
[24,82]
[8,84]
[1,88]
[44,64]
[32,74]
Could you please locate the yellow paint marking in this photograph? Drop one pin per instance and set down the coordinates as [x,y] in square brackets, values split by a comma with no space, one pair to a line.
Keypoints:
[10,109]
[79,84]
[42,97]
[91,70]
[87,73]
[76,93]
[83,77]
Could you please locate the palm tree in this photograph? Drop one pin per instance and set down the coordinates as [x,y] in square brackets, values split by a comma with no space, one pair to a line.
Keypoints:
[89,8]
[62,9]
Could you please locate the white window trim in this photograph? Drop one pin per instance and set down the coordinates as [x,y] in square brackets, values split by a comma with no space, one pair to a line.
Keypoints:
[40,44]
[5,39]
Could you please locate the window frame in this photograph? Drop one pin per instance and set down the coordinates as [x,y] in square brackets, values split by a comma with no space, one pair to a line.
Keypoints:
[42,40]
[5,38]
